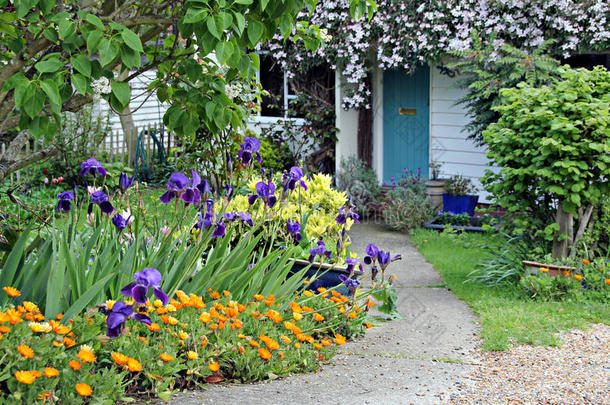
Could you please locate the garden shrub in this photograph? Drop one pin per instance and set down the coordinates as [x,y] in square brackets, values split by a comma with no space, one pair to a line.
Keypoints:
[551,143]
[407,205]
[359,182]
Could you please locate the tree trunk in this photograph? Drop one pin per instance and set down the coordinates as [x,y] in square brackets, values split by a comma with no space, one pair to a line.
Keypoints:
[130,132]
[13,158]
[563,238]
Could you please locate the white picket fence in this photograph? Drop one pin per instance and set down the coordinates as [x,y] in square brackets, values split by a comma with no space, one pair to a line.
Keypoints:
[115,147]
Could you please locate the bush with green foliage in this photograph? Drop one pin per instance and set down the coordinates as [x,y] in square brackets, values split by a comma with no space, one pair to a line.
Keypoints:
[552,145]
[407,205]
[360,183]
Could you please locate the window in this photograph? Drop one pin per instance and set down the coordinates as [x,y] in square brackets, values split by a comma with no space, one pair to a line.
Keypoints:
[276,82]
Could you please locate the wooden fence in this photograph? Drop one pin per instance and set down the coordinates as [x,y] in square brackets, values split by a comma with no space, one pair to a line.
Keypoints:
[115,147]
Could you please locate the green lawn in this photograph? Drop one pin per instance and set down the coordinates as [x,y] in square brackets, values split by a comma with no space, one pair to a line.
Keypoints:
[507,316]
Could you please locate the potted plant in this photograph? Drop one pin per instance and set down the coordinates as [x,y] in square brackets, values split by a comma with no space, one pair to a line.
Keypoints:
[435,187]
[458,197]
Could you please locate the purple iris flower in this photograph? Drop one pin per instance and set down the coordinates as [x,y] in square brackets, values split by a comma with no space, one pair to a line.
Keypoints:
[204,186]
[265,192]
[219,230]
[179,185]
[350,263]
[343,215]
[143,280]
[371,254]
[118,315]
[93,167]
[125,182]
[385,259]
[230,216]
[319,250]
[290,179]
[350,283]
[100,198]
[205,220]
[229,189]
[247,218]
[295,229]
[120,222]
[64,200]
[249,149]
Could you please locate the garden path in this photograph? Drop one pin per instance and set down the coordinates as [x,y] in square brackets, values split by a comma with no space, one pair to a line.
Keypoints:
[420,359]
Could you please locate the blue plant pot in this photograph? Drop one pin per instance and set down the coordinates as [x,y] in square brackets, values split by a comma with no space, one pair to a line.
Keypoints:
[460,204]
[325,275]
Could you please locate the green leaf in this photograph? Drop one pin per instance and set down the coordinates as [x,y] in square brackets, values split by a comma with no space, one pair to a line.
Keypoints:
[50,34]
[108,51]
[129,57]
[195,15]
[49,66]
[132,40]
[35,103]
[86,298]
[122,92]
[80,83]
[66,28]
[286,25]
[52,91]
[244,2]
[212,28]
[95,20]
[93,41]
[82,64]
[224,50]
[18,79]
[240,22]
[255,31]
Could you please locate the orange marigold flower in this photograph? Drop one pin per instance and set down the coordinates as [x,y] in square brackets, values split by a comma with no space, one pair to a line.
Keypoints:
[43,397]
[183,335]
[134,365]
[566,273]
[30,306]
[325,342]
[297,316]
[14,317]
[256,314]
[166,357]
[84,390]
[74,365]
[608,281]
[205,317]
[586,261]
[36,373]
[288,325]
[370,303]
[214,366]
[4,329]
[318,317]
[318,346]
[237,324]
[12,291]
[335,293]
[254,343]
[352,315]
[51,372]
[204,341]
[339,339]
[282,355]
[264,353]
[59,328]
[544,270]
[270,301]
[215,295]
[69,342]
[259,297]
[86,354]
[308,293]
[142,339]
[307,309]
[577,276]
[192,355]
[153,327]
[285,339]
[226,293]
[26,351]
[241,349]
[270,343]
[295,307]
[297,345]
[119,358]
[25,377]
[274,316]
[368,325]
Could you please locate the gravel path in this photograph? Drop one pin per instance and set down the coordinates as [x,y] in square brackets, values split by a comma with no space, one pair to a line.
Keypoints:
[578,372]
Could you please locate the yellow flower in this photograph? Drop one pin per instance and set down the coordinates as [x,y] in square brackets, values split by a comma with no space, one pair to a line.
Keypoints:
[84,390]
[26,351]
[86,354]
[25,377]
[544,270]
[183,335]
[214,367]
[166,357]
[192,355]
[44,327]
[51,372]
[318,317]
[578,277]
[12,291]
[134,365]
[339,339]
[297,316]
[119,358]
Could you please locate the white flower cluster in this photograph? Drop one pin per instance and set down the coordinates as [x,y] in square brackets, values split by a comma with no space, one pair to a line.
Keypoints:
[404,34]
[233,90]
[100,86]
[324,36]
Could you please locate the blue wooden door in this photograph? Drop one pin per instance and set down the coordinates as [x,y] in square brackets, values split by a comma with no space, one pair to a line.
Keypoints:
[406,122]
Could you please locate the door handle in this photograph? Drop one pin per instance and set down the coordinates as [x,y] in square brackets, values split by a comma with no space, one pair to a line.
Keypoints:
[407,111]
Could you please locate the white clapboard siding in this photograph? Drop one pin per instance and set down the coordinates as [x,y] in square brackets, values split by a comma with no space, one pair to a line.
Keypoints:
[449,145]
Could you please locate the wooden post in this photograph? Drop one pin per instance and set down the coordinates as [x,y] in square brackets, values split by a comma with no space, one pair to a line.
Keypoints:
[561,248]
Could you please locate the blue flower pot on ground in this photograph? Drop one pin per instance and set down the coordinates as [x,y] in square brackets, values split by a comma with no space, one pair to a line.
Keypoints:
[325,275]
[460,204]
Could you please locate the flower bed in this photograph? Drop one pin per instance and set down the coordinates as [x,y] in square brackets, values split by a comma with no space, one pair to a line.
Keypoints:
[191,340]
